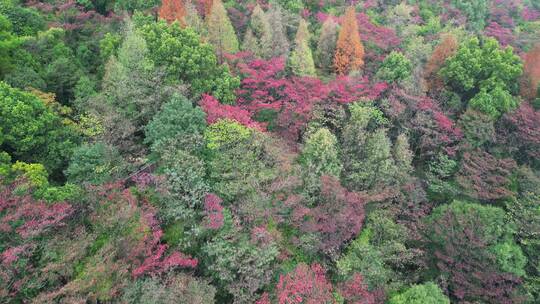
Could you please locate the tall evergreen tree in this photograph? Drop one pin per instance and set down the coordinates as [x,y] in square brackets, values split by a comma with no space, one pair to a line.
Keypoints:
[262,31]
[279,39]
[349,50]
[300,61]
[193,19]
[220,30]
[326,46]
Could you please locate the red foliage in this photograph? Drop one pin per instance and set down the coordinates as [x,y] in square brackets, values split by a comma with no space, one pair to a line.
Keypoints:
[355,291]
[530,14]
[213,211]
[264,87]
[33,217]
[216,111]
[521,131]
[336,219]
[306,285]
[264,299]
[434,130]
[503,35]
[485,177]
[383,37]
[472,271]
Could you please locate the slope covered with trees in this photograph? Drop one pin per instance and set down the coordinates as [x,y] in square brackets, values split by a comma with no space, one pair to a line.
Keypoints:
[270,151]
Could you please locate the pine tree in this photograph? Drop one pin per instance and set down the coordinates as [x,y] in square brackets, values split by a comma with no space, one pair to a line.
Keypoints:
[220,30]
[250,43]
[349,50]
[193,19]
[262,31]
[300,61]
[173,10]
[326,46]
[531,73]
[279,39]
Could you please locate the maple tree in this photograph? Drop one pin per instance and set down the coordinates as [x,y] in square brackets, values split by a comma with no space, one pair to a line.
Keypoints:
[305,284]
[172,10]
[349,49]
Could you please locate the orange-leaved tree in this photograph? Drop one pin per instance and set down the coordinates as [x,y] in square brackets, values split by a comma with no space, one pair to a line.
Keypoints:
[172,10]
[446,48]
[349,49]
[531,73]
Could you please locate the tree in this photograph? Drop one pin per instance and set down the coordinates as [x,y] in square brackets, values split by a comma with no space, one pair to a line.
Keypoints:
[521,132]
[484,75]
[305,284]
[349,49]
[32,132]
[476,12]
[326,45]
[445,49]
[10,43]
[466,239]
[403,157]
[172,10]
[193,19]
[427,293]
[478,128]
[395,67]
[186,59]
[280,44]
[320,157]
[220,30]
[355,291]
[96,164]
[177,118]
[300,61]
[262,32]
[484,177]
[531,73]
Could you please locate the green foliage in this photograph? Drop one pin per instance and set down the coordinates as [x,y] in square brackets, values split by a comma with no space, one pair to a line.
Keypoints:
[32,132]
[96,163]
[8,45]
[178,117]
[185,58]
[476,12]
[320,155]
[237,160]
[220,30]
[395,67]
[427,293]
[485,74]
[478,128]
[300,61]
[326,45]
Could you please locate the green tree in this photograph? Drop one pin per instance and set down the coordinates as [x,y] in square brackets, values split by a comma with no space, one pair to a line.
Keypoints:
[403,158]
[177,118]
[300,61]
[280,44]
[262,31]
[476,12]
[32,132]
[220,30]
[395,67]
[186,59]
[320,155]
[326,45]
[96,163]
[9,42]
[236,158]
[484,75]
[427,293]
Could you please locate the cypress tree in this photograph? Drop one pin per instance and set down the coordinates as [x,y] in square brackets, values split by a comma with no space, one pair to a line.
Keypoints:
[349,50]
[220,30]
[300,61]
[326,46]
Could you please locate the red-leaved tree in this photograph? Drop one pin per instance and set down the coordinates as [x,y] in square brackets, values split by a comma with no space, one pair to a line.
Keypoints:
[304,285]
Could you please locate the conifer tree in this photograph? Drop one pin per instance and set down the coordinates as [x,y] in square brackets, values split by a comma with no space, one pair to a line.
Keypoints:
[349,50]
[260,26]
[220,30]
[250,43]
[326,46]
[300,61]
[280,43]
[173,10]
[207,7]
[531,73]
[193,19]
